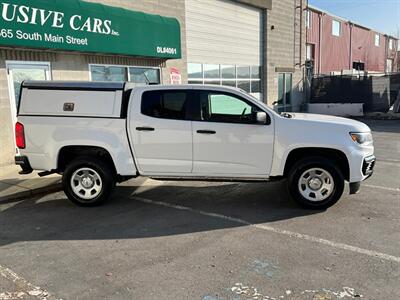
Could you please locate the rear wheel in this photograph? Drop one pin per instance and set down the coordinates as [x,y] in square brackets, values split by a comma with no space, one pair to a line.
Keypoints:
[88,181]
[316,183]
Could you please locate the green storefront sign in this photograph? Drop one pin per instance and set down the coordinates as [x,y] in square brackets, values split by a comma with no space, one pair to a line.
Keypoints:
[76,25]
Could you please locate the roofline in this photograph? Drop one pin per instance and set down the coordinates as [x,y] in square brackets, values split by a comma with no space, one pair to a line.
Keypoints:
[312,7]
[326,12]
[115,86]
[74,85]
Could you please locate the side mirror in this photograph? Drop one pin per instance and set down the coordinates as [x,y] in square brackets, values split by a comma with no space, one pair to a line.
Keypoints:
[261,118]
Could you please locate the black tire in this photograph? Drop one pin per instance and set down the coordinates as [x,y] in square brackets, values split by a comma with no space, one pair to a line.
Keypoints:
[102,190]
[302,167]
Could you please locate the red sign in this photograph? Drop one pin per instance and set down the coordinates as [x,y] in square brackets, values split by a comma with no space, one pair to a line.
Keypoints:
[175,76]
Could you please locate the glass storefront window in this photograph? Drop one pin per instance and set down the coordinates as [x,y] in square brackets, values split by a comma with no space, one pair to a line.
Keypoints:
[195,71]
[109,73]
[281,88]
[98,73]
[195,81]
[20,75]
[256,86]
[284,102]
[228,72]
[214,82]
[247,78]
[244,85]
[211,71]
[231,83]
[243,72]
[144,75]
[138,75]
[255,72]
[288,89]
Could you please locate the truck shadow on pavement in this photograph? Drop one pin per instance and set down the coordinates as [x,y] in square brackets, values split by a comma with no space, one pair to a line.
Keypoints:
[53,217]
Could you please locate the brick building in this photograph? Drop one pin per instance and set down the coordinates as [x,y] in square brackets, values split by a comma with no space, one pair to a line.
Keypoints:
[335,44]
[257,45]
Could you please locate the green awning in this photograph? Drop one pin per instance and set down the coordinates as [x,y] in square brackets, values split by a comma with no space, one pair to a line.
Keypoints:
[76,25]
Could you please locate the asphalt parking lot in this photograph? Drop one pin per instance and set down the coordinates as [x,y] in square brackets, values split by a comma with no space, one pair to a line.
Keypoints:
[209,241]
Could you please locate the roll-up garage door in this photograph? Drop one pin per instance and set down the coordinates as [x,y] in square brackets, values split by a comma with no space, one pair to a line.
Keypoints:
[224,43]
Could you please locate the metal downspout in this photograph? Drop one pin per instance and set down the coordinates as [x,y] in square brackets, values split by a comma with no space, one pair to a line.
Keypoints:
[320,44]
[351,47]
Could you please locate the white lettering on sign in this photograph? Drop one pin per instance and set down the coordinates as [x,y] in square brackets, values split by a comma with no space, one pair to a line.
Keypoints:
[30,15]
[90,25]
[29,36]
[47,37]
[166,50]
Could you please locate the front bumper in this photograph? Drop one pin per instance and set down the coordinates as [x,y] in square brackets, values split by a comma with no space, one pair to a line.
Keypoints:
[23,162]
[367,170]
[368,165]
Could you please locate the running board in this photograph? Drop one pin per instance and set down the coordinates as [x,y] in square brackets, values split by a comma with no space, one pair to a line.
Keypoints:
[216,179]
[47,173]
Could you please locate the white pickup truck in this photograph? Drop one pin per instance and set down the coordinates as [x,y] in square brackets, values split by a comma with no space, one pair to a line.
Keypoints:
[98,134]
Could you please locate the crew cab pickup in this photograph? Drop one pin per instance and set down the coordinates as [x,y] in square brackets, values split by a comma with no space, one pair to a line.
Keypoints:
[98,134]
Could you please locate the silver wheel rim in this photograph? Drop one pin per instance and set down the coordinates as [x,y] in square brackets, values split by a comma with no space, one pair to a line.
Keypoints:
[316,184]
[86,183]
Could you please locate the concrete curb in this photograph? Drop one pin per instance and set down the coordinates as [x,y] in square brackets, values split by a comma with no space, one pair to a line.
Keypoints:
[52,188]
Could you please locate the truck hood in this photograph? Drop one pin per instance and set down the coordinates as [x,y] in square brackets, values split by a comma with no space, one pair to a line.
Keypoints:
[327,119]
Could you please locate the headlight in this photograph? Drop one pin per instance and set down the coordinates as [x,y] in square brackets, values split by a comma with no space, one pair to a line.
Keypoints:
[361,138]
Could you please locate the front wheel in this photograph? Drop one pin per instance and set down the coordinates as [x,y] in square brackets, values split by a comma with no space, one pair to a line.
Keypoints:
[316,183]
[88,181]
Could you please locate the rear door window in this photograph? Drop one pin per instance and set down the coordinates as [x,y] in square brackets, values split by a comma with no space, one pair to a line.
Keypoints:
[166,104]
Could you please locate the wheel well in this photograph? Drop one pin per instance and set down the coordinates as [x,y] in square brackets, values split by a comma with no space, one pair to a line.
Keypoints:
[68,153]
[338,156]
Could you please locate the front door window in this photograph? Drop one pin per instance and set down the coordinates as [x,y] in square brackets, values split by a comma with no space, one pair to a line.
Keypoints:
[227,108]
